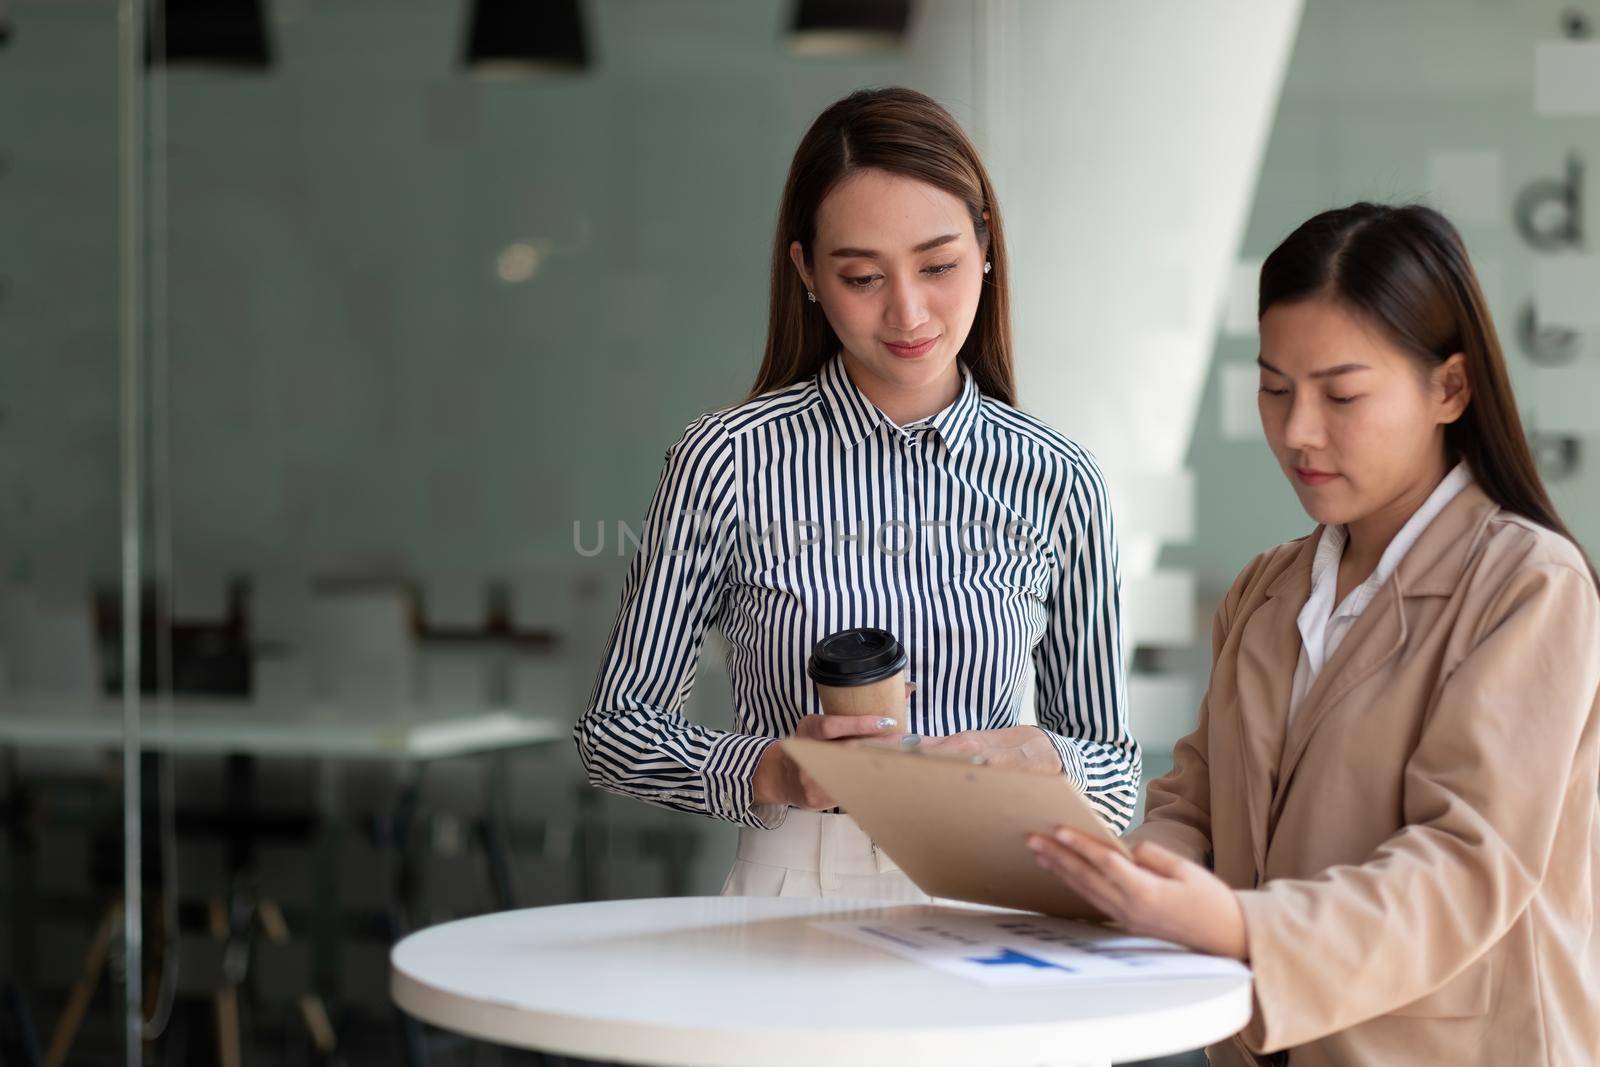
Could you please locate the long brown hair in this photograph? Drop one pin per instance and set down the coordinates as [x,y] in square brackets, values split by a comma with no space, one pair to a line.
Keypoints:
[1406,269]
[906,133]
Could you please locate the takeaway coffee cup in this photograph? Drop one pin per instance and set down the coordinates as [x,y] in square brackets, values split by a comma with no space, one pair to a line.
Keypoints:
[861,671]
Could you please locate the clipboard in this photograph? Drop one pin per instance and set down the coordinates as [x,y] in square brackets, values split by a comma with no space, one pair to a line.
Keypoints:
[958,829]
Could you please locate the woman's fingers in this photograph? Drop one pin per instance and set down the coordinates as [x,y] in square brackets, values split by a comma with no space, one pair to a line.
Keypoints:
[833,727]
[1136,892]
[1079,876]
[1150,861]
[1069,862]
[961,744]
[1163,861]
[1107,859]
[1119,874]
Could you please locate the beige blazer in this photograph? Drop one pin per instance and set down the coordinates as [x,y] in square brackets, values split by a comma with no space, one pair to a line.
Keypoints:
[1418,857]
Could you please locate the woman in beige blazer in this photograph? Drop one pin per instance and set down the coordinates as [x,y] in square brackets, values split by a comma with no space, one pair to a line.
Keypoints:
[1389,805]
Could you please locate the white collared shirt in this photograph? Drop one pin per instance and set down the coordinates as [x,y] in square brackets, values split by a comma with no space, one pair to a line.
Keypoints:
[1323,626]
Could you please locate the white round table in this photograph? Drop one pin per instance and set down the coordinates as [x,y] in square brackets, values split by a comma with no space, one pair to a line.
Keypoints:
[748,982]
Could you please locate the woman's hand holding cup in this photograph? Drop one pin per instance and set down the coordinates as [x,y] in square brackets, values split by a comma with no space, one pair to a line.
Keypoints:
[860,676]
[779,780]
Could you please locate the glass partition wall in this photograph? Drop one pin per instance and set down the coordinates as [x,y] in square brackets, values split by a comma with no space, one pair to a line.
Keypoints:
[71,270]
[445,279]
[334,331]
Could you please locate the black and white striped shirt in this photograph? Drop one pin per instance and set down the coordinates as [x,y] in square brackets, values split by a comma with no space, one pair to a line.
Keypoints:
[979,536]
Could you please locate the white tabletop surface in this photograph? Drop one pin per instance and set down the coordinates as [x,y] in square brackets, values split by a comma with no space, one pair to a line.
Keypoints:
[748,982]
[221,726]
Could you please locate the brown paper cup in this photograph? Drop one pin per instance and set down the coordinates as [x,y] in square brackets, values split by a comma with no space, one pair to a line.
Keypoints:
[886,696]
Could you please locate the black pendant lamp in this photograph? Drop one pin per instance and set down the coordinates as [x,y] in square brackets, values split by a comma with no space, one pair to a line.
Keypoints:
[525,38]
[220,34]
[848,27]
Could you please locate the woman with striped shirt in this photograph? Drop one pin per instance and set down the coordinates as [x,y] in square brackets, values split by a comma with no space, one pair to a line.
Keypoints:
[878,476]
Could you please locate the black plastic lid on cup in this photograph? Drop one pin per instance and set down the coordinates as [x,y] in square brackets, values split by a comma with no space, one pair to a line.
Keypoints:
[856,657]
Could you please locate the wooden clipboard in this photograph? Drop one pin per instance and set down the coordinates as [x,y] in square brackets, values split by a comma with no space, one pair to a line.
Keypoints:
[956,828]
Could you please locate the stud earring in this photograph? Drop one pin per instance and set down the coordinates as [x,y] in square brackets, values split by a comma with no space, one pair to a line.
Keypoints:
[987,266]
[811,296]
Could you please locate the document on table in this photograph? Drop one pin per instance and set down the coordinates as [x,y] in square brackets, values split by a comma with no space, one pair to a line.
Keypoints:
[1028,950]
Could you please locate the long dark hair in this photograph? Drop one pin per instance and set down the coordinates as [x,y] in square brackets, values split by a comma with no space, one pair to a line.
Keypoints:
[903,132]
[1405,268]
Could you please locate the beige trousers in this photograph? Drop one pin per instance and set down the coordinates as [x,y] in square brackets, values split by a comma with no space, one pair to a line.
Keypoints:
[814,854]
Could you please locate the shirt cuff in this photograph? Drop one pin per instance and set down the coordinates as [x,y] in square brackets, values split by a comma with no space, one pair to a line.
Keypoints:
[1071,760]
[729,773]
